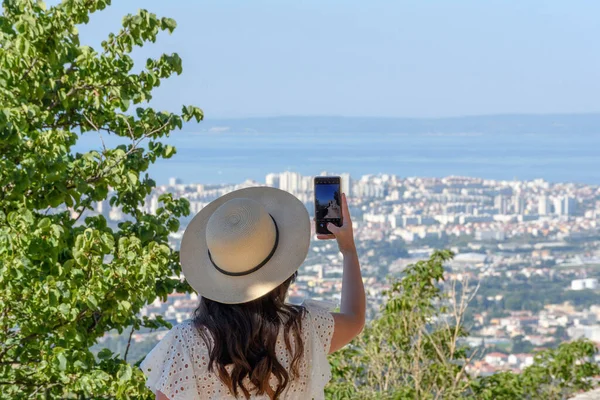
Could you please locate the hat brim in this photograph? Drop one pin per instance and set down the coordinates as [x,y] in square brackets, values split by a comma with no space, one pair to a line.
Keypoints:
[293,223]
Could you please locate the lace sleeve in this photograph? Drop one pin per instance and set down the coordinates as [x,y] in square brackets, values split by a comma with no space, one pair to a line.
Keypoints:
[322,322]
[168,367]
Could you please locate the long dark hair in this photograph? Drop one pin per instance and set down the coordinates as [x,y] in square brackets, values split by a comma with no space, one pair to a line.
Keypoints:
[245,336]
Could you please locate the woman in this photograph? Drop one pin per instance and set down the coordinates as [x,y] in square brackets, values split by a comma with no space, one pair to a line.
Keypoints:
[240,253]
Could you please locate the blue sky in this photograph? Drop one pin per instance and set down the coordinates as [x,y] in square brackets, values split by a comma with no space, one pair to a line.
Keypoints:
[374,58]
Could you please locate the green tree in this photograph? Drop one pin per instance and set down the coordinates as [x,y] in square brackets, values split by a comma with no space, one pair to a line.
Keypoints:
[556,374]
[65,281]
[412,351]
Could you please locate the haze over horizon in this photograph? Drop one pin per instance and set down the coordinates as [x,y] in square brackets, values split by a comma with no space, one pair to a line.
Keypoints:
[313,70]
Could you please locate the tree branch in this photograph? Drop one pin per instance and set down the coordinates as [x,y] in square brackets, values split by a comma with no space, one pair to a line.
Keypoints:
[129,129]
[114,41]
[128,344]
[89,120]
[134,147]
[35,60]
[83,208]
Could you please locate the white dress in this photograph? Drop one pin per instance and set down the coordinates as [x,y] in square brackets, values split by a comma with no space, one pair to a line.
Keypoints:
[178,365]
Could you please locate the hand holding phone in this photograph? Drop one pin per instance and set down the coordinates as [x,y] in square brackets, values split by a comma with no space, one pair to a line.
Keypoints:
[343,234]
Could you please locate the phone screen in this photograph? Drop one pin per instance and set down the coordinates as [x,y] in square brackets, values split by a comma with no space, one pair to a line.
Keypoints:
[327,203]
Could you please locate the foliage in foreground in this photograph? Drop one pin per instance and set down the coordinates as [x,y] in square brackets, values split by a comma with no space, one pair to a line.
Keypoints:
[64,282]
[413,351]
[556,374]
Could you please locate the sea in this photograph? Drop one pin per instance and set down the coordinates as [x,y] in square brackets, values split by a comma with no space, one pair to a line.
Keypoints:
[227,157]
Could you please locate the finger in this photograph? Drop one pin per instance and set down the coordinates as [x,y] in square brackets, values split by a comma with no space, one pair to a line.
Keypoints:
[325,237]
[345,211]
[332,228]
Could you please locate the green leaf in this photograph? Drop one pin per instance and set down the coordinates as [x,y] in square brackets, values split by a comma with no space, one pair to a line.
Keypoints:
[125,103]
[125,305]
[54,296]
[133,178]
[124,373]
[64,309]
[169,151]
[62,361]
[92,301]
[169,24]
[105,354]
[44,223]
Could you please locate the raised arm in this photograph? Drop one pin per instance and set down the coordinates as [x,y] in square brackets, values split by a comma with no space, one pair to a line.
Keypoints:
[349,322]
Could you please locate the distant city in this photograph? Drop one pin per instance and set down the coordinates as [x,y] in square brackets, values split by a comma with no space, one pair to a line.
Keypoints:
[533,247]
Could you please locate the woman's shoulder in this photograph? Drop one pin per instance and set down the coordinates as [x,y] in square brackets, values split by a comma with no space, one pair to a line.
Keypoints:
[184,328]
[187,335]
[320,319]
[318,309]
[177,333]
[181,338]
[176,361]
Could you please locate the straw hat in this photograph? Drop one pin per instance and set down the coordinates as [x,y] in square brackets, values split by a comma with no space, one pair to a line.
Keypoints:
[244,244]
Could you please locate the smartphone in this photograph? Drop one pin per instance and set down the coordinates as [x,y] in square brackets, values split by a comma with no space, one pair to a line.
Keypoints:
[328,203]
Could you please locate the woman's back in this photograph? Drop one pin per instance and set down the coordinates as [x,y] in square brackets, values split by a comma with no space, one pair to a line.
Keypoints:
[240,253]
[178,366]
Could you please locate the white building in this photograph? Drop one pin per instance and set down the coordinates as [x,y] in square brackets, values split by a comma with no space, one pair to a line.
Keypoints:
[346,183]
[174,181]
[501,204]
[446,219]
[519,204]
[272,180]
[395,220]
[581,284]
[290,181]
[591,332]
[374,218]
[520,360]
[565,205]
[496,359]
[306,184]
[370,190]
[569,205]
[544,206]
[489,234]
[470,258]
[559,206]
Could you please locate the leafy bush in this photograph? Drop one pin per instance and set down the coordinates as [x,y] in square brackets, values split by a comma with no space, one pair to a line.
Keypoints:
[555,374]
[412,350]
